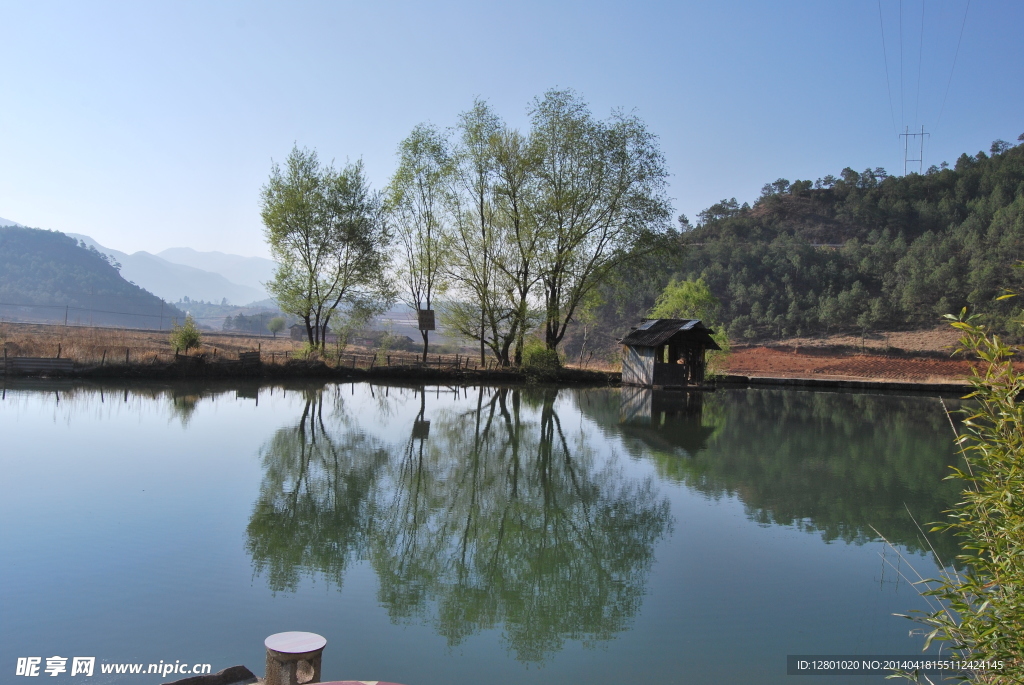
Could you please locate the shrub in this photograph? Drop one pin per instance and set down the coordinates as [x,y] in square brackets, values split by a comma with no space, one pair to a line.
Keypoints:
[537,357]
[979,612]
[186,337]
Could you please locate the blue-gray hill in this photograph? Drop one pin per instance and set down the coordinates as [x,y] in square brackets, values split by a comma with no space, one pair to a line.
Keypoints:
[45,276]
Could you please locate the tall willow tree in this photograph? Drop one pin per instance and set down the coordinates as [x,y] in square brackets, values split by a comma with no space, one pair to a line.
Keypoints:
[495,241]
[416,205]
[601,187]
[326,231]
[478,313]
[539,219]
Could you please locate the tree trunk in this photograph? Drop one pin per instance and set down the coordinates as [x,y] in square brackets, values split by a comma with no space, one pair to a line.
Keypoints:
[309,331]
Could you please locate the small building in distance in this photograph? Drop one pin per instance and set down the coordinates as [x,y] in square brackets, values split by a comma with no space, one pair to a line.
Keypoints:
[667,353]
[298,332]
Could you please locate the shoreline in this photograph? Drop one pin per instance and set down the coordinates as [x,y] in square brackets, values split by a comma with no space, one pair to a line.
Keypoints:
[305,370]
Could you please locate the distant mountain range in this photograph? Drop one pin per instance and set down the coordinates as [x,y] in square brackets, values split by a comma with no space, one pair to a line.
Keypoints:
[248,271]
[48,276]
[181,272]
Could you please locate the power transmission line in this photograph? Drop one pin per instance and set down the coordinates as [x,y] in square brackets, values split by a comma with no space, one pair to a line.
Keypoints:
[903,116]
[920,55]
[962,25]
[906,149]
[885,58]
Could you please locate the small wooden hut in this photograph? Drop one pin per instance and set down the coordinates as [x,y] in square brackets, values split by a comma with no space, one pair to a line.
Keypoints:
[666,353]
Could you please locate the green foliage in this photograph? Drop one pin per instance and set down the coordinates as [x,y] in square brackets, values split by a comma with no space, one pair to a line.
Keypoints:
[687,300]
[865,250]
[325,229]
[693,300]
[276,325]
[257,324]
[307,351]
[980,612]
[533,222]
[384,345]
[537,357]
[187,336]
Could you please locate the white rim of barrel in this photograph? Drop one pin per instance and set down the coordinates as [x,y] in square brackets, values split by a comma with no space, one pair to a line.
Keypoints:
[295,642]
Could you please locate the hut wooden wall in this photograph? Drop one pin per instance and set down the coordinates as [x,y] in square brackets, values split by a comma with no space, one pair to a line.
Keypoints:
[637,365]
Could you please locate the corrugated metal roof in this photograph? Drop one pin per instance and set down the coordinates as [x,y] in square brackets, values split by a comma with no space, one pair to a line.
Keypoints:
[655,332]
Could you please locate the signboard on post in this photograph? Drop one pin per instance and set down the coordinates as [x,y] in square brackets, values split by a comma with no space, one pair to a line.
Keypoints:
[426,319]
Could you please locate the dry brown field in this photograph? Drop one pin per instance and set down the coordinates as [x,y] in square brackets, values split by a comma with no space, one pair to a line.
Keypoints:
[909,356]
[89,344]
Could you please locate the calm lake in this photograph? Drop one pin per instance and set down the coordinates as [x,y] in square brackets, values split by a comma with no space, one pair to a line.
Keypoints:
[440,535]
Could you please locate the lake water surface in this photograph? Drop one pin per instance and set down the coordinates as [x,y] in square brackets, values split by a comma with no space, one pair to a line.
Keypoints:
[465,535]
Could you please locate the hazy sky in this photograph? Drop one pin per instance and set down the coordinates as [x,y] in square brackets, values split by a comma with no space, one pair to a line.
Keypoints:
[149,125]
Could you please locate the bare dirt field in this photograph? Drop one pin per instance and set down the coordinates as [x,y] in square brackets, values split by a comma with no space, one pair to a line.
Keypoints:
[906,356]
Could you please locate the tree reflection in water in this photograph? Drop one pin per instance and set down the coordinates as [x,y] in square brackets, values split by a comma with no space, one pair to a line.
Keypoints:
[312,510]
[839,464]
[493,517]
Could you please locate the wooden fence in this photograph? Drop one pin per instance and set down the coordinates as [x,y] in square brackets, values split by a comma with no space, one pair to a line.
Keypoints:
[33,365]
[355,360]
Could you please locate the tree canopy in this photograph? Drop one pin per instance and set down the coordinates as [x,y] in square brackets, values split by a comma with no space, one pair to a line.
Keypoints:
[533,222]
[327,233]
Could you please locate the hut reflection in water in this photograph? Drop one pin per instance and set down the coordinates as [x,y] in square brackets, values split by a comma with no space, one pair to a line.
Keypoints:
[666,420]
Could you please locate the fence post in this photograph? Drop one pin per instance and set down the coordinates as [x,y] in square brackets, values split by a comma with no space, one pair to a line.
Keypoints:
[58,350]
[104,360]
[126,350]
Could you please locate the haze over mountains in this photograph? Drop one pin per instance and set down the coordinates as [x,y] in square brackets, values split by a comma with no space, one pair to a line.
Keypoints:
[48,276]
[181,272]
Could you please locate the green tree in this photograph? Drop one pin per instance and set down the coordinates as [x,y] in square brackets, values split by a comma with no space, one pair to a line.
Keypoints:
[416,205]
[693,300]
[601,187]
[327,233]
[475,310]
[186,336]
[276,325]
[687,300]
[519,237]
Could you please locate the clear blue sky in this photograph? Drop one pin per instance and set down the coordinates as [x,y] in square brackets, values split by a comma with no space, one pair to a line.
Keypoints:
[149,125]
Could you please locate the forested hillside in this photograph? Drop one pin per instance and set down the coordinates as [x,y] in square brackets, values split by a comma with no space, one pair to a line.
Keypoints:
[856,252]
[45,275]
